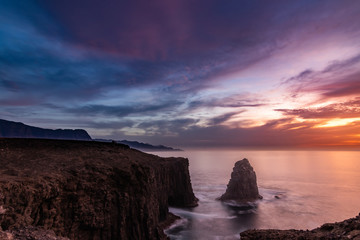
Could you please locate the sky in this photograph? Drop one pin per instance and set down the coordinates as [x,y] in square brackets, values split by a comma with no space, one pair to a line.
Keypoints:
[185,73]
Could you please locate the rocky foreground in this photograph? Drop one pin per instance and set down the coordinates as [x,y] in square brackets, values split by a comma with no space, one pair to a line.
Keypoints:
[56,189]
[348,229]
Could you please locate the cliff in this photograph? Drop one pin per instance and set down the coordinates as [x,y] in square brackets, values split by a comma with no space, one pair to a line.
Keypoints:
[30,233]
[242,187]
[88,190]
[348,229]
[9,129]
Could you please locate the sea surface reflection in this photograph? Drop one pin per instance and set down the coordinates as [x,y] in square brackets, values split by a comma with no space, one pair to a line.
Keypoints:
[313,187]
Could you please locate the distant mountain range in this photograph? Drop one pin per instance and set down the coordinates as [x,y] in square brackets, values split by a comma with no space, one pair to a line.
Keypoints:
[141,146]
[10,129]
[147,146]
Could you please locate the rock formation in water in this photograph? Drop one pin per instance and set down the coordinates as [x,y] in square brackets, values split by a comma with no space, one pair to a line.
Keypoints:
[242,187]
[348,229]
[88,190]
[9,129]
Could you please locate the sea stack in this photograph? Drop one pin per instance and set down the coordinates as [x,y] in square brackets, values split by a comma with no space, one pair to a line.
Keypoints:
[242,187]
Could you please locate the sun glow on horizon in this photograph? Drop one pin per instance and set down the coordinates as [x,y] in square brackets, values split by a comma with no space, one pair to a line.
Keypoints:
[337,122]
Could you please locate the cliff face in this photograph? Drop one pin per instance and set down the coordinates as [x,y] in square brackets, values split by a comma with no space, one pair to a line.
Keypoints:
[30,233]
[10,129]
[348,229]
[242,186]
[89,190]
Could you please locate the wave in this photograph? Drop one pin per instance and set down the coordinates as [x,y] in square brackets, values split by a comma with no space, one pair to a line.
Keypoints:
[178,223]
[190,215]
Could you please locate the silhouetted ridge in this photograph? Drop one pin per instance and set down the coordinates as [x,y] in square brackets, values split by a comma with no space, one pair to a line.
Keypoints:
[9,129]
[141,145]
[146,146]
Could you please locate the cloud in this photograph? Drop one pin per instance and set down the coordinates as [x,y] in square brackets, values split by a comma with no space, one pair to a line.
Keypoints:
[231,101]
[349,109]
[337,79]
[337,66]
[305,75]
[122,110]
[222,118]
[275,134]
[133,130]
[37,64]
[161,68]
[198,41]
[145,30]
[167,127]
[349,86]
[106,125]
[54,53]
[18,102]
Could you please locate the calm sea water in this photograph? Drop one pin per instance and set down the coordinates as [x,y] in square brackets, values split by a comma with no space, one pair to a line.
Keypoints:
[314,187]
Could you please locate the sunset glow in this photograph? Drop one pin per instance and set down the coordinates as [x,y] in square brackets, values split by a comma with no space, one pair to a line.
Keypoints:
[338,122]
[241,73]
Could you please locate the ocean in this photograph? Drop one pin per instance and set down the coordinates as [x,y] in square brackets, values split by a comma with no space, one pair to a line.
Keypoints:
[312,188]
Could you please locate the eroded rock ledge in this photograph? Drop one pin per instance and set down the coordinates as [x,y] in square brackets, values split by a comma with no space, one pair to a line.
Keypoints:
[348,229]
[88,190]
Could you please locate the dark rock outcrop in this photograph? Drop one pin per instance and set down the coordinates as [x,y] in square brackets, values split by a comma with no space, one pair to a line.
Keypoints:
[89,190]
[242,187]
[348,229]
[9,129]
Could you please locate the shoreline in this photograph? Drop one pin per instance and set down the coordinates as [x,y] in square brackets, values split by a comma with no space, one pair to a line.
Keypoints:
[88,190]
[347,229]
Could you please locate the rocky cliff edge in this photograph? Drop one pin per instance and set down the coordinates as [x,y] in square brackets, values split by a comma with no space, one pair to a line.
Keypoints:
[347,229]
[88,190]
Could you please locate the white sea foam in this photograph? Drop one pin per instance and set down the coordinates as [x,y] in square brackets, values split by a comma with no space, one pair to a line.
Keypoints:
[189,214]
[178,222]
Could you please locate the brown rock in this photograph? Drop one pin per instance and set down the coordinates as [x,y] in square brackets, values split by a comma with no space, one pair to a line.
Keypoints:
[242,187]
[30,233]
[348,229]
[88,190]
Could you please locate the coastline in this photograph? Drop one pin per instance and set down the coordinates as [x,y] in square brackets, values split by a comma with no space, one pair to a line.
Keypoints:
[347,229]
[89,190]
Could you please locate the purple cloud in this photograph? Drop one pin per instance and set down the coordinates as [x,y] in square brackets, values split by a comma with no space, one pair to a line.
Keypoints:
[349,109]
[162,64]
